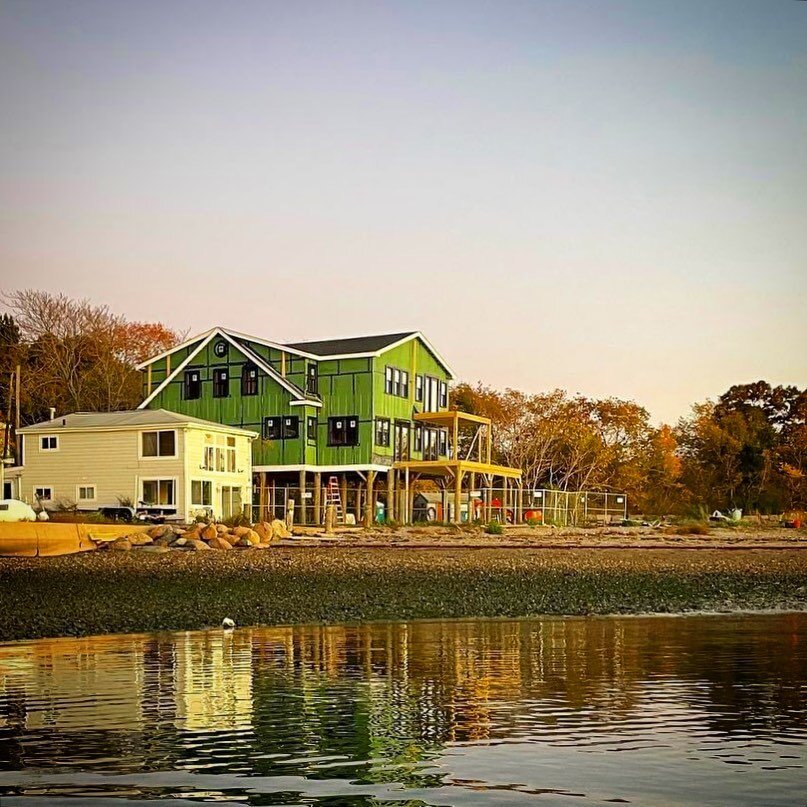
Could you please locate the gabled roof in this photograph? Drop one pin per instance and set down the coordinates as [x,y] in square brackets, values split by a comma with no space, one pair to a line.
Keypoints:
[345,348]
[352,344]
[130,418]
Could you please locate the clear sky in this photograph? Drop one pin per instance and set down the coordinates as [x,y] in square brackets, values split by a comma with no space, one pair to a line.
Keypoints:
[605,196]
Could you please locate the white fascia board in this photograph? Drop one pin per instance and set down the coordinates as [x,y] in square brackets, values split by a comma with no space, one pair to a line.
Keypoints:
[275,345]
[325,469]
[186,343]
[179,368]
[306,402]
[429,346]
[140,427]
[267,368]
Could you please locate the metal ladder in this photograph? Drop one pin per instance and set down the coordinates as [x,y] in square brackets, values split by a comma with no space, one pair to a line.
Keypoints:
[334,497]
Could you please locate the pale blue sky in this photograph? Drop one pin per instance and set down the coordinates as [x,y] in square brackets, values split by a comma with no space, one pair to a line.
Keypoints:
[609,196]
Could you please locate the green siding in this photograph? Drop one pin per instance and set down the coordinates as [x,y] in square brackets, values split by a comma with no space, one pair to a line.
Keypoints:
[352,387]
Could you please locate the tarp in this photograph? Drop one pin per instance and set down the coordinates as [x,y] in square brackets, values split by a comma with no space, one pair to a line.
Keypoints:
[31,539]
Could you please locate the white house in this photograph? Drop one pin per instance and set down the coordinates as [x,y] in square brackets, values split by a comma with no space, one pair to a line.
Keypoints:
[167,462]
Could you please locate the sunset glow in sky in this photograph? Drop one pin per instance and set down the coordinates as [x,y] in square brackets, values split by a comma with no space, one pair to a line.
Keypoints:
[605,196]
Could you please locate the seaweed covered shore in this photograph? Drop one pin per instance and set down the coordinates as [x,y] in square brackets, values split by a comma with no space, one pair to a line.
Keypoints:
[98,592]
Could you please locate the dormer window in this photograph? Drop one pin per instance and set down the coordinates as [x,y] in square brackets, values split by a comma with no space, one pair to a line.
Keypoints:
[221,383]
[193,385]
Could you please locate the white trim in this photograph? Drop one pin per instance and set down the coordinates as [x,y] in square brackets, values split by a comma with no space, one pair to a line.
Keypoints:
[171,351]
[268,369]
[87,485]
[325,469]
[179,368]
[44,450]
[191,502]
[157,456]
[139,495]
[276,345]
[34,489]
[316,404]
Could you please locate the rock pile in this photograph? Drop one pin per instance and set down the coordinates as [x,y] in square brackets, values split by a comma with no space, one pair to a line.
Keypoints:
[201,537]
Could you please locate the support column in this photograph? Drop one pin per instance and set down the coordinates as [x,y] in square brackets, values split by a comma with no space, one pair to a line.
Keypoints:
[303,500]
[471,500]
[369,504]
[458,497]
[390,515]
[343,495]
[317,498]
[520,505]
[406,514]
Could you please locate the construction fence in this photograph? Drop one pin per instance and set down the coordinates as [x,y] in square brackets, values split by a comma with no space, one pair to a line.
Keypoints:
[570,508]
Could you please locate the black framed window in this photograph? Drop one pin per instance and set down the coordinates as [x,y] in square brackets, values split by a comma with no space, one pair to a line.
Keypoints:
[418,387]
[417,442]
[281,427]
[312,429]
[249,379]
[443,394]
[388,380]
[343,431]
[404,388]
[221,382]
[443,443]
[312,379]
[382,431]
[193,385]
[396,382]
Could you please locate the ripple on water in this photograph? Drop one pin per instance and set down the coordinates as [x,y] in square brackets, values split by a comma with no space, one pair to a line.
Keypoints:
[696,711]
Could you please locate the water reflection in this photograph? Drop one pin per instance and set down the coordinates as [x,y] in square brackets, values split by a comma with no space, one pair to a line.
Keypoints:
[694,710]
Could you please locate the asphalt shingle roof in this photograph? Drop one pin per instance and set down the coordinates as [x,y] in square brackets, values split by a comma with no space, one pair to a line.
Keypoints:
[354,344]
[135,418]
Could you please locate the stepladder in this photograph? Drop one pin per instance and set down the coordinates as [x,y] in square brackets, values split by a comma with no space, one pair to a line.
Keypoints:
[334,498]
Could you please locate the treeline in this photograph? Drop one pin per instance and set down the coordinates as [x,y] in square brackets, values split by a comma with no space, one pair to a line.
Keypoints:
[747,450]
[72,355]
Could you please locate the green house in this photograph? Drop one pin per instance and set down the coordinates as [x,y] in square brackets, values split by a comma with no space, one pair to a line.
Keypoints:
[331,414]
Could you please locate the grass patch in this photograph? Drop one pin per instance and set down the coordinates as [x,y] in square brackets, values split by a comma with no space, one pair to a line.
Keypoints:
[99,592]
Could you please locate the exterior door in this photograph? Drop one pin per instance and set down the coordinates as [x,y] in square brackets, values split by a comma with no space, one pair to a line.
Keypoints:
[431,438]
[401,445]
[231,504]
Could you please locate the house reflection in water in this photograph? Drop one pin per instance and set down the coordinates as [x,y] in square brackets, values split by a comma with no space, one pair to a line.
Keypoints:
[251,699]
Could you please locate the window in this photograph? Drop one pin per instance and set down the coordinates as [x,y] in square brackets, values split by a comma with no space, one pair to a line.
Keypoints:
[193,385]
[249,380]
[401,448]
[418,387]
[85,493]
[159,492]
[418,439]
[388,380]
[201,493]
[312,429]
[221,348]
[312,380]
[443,394]
[396,384]
[382,432]
[404,391]
[281,428]
[49,443]
[343,431]
[221,383]
[159,444]
[209,461]
[219,454]
[43,493]
[430,396]
[443,443]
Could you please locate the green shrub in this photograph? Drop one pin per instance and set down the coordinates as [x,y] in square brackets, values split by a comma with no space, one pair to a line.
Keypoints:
[689,528]
[494,528]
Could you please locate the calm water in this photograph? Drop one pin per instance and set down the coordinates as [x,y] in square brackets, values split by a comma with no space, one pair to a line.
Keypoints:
[646,711]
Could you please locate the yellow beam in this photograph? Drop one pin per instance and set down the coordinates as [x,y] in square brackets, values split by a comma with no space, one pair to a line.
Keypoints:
[454,468]
[449,418]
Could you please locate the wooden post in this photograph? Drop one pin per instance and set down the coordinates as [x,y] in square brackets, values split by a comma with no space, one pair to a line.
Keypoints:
[368,503]
[359,512]
[457,496]
[317,497]
[471,500]
[456,436]
[330,518]
[390,514]
[343,495]
[289,513]
[405,509]
[303,500]
[520,507]
[505,498]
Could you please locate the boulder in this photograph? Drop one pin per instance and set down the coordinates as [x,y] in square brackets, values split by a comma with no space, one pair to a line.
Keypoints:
[165,540]
[219,543]
[209,532]
[197,545]
[157,548]
[121,545]
[280,530]
[222,528]
[181,541]
[239,532]
[159,531]
[140,539]
[264,534]
[189,535]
